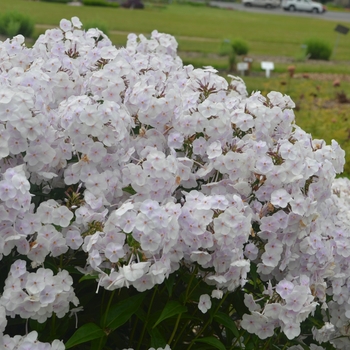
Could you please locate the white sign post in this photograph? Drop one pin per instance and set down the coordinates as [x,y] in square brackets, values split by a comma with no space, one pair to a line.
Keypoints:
[267,67]
[242,67]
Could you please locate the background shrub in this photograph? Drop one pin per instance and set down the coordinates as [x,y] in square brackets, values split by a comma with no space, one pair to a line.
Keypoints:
[13,23]
[240,47]
[102,3]
[318,49]
[59,1]
[225,47]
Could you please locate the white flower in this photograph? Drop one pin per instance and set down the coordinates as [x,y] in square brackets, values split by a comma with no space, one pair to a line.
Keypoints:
[280,198]
[214,150]
[204,303]
[217,293]
[65,25]
[76,22]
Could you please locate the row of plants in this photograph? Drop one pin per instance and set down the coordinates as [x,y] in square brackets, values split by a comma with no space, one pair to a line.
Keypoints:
[316,49]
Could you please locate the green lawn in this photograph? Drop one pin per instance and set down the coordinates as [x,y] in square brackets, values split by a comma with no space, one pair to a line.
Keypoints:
[266,34]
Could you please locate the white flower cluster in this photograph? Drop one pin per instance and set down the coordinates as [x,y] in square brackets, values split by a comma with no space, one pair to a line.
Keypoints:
[37,294]
[163,165]
[29,342]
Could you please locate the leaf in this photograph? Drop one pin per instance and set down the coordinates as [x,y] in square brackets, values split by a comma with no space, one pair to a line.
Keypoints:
[226,320]
[157,339]
[118,314]
[254,274]
[87,332]
[88,277]
[172,308]
[216,343]
[141,314]
[169,283]
[129,190]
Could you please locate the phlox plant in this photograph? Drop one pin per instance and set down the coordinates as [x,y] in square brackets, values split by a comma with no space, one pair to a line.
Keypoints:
[150,205]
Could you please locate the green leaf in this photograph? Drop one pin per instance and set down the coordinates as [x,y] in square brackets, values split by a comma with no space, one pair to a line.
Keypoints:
[169,283]
[157,339]
[88,277]
[87,332]
[141,314]
[129,190]
[120,313]
[171,309]
[216,343]
[254,274]
[226,320]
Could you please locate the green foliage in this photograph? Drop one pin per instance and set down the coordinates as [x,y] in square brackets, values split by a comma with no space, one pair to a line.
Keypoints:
[101,3]
[232,57]
[172,308]
[13,23]
[318,49]
[102,26]
[192,3]
[240,47]
[154,318]
[59,1]
[225,47]
[232,61]
[85,333]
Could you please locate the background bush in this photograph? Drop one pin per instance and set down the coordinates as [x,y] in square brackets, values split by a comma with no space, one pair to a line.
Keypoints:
[225,47]
[101,3]
[240,47]
[13,23]
[318,49]
[59,1]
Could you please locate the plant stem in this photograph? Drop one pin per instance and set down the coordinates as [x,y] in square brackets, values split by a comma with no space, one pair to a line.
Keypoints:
[194,288]
[100,346]
[187,294]
[175,328]
[53,326]
[102,302]
[208,322]
[267,344]
[133,331]
[189,285]
[147,317]
[238,340]
[186,326]
[107,309]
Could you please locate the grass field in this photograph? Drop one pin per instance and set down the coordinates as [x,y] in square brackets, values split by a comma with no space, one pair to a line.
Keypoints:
[200,31]
[266,34]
